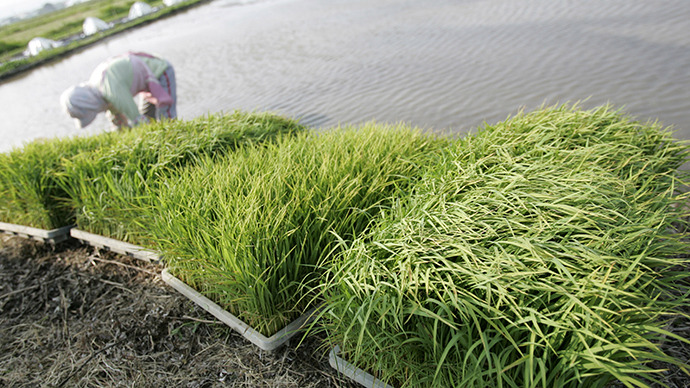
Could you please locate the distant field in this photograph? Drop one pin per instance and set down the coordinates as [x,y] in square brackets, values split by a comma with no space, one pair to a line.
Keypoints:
[67,22]
[60,24]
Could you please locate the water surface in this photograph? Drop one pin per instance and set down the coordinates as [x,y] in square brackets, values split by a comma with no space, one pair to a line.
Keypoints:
[443,65]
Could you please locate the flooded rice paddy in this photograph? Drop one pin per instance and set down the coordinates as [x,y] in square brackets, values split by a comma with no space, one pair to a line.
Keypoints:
[443,65]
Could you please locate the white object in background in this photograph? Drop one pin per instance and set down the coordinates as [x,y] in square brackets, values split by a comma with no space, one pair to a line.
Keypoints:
[36,45]
[93,25]
[139,9]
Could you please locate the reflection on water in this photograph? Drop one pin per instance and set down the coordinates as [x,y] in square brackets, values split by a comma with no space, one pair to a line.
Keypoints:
[445,65]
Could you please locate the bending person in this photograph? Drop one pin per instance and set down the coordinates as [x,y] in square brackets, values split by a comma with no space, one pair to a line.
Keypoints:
[113,86]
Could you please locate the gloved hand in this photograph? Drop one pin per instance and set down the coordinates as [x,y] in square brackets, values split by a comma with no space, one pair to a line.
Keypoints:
[158,96]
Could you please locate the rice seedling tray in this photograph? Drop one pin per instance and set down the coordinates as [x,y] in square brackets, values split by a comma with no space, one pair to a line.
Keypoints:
[116,246]
[52,236]
[255,337]
[355,374]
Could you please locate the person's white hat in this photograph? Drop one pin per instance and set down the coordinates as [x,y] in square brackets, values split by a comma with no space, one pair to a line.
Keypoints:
[83,103]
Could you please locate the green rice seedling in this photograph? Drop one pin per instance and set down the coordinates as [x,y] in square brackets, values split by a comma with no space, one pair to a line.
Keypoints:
[247,229]
[29,191]
[110,187]
[539,252]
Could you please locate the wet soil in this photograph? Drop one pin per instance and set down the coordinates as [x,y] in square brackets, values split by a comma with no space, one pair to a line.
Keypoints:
[71,316]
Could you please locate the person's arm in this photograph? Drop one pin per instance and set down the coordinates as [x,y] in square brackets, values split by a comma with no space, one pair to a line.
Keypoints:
[154,68]
[115,86]
[121,105]
[157,95]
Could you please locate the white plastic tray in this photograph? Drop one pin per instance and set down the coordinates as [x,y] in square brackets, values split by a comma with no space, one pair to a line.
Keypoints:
[358,375]
[116,246]
[52,236]
[266,343]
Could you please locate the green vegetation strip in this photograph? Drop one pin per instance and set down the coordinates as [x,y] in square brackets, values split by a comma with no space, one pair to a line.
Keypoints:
[66,23]
[547,250]
[540,252]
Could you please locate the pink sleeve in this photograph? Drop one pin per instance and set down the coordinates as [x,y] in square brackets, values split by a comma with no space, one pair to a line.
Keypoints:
[162,97]
[144,80]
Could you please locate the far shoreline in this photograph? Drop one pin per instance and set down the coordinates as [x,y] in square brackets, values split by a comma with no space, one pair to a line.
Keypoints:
[7,73]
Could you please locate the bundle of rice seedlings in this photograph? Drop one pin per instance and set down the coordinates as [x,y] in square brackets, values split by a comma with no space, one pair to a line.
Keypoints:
[540,252]
[29,191]
[110,187]
[246,230]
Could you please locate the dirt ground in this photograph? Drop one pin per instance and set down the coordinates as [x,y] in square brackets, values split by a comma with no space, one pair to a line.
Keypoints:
[71,316]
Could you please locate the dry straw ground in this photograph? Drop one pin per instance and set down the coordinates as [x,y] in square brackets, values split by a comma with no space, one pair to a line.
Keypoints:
[71,316]
[74,317]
